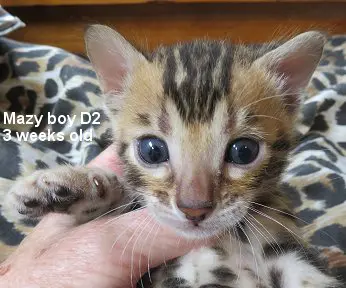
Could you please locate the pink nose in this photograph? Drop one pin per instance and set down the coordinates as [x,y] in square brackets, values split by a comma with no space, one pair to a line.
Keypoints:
[196,215]
[195,196]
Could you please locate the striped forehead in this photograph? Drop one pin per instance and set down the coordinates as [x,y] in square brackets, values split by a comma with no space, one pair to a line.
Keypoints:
[198,142]
[196,77]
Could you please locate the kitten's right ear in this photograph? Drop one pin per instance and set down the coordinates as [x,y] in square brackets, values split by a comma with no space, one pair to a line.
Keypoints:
[112,57]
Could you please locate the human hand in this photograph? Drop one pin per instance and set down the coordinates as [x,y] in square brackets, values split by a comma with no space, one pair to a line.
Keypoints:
[103,253]
[107,252]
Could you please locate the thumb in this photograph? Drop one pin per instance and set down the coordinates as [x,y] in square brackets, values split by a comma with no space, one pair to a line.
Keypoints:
[142,242]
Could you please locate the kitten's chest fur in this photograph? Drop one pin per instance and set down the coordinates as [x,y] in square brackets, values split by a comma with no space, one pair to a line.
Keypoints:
[243,264]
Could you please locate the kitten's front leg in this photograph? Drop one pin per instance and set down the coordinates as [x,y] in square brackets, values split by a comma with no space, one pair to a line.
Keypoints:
[85,192]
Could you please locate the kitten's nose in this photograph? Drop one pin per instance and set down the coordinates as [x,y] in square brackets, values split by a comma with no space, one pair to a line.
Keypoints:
[196,215]
[195,196]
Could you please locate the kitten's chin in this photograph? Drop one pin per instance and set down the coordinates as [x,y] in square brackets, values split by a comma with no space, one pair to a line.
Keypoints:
[198,232]
[189,230]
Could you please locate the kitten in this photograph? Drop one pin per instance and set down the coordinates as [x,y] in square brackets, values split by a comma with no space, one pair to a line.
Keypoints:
[203,130]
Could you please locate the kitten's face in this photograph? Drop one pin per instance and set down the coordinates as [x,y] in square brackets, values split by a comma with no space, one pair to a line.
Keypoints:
[203,129]
[217,163]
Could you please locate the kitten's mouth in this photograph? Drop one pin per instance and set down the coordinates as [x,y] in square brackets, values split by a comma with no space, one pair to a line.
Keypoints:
[215,224]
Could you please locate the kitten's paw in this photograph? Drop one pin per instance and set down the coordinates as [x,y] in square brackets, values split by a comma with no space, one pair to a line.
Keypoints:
[85,192]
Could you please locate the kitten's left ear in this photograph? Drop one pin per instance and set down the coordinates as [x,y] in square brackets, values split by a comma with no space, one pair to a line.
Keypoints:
[295,61]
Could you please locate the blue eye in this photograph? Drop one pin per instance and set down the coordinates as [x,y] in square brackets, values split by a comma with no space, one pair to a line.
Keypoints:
[242,151]
[152,150]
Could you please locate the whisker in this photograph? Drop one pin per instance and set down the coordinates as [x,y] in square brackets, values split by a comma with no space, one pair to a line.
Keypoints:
[115,209]
[278,210]
[145,241]
[122,233]
[151,246]
[291,215]
[110,221]
[270,235]
[240,259]
[252,248]
[259,232]
[237,239]
[278,222]
[135,243]
[259,242]
[139,225]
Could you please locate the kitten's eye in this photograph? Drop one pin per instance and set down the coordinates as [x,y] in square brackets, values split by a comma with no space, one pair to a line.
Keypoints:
[242,151]
[153,150]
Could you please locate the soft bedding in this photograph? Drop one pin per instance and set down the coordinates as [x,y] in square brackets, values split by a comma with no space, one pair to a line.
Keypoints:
[36,79]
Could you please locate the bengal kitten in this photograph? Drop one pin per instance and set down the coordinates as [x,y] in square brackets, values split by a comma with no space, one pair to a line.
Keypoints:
[203,130]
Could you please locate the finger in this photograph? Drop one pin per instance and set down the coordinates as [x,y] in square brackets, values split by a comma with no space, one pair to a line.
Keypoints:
[55,223]
[108,159]
[51,228]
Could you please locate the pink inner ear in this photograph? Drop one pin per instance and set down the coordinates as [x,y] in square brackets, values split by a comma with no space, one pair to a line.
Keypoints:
[112,71]
[111,66]
[296,70]
[113,77]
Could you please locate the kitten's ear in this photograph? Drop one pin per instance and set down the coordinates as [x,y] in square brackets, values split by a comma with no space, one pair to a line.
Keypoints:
[113,58]
[295,61]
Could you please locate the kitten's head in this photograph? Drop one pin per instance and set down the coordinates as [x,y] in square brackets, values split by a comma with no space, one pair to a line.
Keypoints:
[203,128]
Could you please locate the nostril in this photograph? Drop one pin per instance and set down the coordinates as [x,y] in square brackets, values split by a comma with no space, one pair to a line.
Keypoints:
[196,215]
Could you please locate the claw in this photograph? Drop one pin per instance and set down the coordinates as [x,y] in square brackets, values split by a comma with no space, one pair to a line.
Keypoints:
[96,182]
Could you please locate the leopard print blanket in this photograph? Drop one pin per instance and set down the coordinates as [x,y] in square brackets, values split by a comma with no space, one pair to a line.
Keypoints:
[36,79]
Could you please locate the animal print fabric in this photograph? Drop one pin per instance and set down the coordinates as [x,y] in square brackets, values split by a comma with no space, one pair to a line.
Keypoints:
[8,23]
[37,79]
